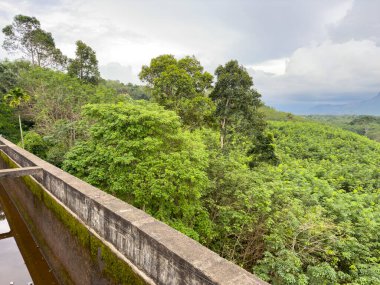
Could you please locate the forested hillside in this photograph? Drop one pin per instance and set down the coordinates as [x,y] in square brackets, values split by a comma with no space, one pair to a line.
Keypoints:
[368,126]
[313,218]
[292,201]
[324,213]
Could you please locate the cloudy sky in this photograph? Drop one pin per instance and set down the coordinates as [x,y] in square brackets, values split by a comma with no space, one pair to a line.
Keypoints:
[300,53]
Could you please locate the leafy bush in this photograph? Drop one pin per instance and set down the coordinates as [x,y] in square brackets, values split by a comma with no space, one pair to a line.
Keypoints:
[138,152]
[35,144]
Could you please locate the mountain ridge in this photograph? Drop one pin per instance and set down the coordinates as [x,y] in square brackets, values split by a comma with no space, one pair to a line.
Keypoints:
[365,107]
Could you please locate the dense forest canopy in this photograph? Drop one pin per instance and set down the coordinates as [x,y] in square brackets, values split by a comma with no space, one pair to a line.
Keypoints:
[293,201]
[365,125]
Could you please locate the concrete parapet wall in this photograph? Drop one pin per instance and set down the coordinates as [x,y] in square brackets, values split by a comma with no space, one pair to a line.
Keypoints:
[156,252]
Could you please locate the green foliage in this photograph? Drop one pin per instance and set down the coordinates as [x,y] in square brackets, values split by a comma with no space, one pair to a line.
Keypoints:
[35,144]
[136,92]
[264,150]
[272,114]
[236,102]
[85,64]
[16,96]
[285,268]
[323,226]
[7,77]
[368,126]
[8,119]
[180,85]
[8,122]
[25,35]
[309,216]
[137,151]
[55,105]
[234,206]
[10,93]
[312,219]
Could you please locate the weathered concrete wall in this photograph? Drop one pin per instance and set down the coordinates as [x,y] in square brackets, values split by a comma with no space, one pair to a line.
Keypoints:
[45,228]
[156,252]
[17,172]
[77,255]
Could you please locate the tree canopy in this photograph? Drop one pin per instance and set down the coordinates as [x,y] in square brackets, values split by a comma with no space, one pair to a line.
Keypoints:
[8,122]
[55,106]
[141,145]
[85,64]
[25,35]
[180,85]
[237,103]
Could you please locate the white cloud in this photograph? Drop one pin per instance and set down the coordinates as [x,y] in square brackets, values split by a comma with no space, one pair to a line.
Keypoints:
[325,72]
[214,31]
[337,13]
[361,22]
[8,7]
[274,66]
[297,50]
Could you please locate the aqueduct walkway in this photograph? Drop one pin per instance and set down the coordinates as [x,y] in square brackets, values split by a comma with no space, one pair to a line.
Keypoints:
[95,238]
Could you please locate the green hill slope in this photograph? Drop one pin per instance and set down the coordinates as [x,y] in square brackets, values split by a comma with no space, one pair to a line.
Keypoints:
[368,126]
[323,219]
[272,114]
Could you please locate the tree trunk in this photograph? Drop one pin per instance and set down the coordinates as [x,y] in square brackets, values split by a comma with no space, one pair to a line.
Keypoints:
[223,125]
[222,132]
[32,54]
[22,137]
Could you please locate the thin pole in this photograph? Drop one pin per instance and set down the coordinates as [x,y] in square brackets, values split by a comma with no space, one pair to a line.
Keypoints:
[22,137]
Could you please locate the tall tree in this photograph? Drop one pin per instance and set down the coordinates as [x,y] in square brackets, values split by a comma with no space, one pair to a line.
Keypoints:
[8,125]
[15,97]
[7,77]
[237,103]
[54,108]
[25,35]
[85,64]
[138,152]
[180,85]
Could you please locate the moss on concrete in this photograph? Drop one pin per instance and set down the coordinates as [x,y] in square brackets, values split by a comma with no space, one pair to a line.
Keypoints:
[7,160]
[112,267]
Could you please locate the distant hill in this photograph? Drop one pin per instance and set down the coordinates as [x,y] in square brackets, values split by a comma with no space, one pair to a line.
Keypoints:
[366,107]
[365,125]
[271,114]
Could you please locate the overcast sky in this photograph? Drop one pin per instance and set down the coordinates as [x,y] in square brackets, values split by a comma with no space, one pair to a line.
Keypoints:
[300,53]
